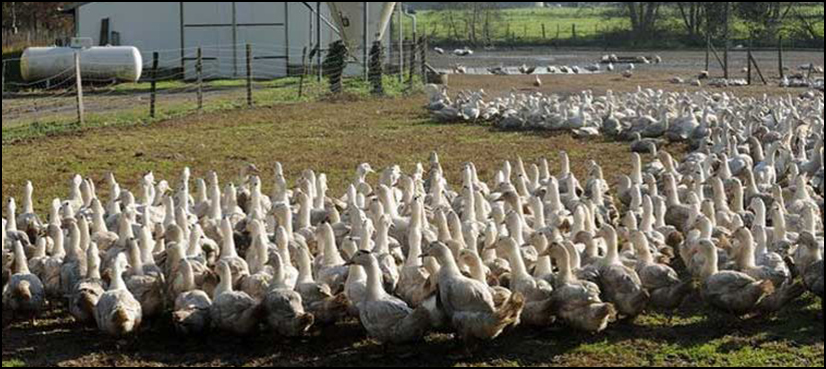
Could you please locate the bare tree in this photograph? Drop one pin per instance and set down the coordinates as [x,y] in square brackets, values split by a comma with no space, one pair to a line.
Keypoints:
[475,19]
[765,18]
[693,15]
[644,17]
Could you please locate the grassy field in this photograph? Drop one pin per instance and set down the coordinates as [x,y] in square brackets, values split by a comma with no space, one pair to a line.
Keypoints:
[128,104]
[593,25]
[334,136]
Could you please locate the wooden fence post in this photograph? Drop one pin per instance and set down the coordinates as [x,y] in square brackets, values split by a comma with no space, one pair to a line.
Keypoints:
[573,30]
[303,72]
[544,35]
[153,88]
[199,73]
[748,60]
[780,56]
[249,75]
[4,79]
[708,50]
[81,111]
[757,68]
[423,58]
[376,68]
[411,64]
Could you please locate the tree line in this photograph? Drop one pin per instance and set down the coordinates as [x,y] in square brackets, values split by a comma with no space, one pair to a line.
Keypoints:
[34,17]
[694,21]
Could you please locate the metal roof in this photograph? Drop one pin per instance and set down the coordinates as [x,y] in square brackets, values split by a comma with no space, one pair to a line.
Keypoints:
[71,7]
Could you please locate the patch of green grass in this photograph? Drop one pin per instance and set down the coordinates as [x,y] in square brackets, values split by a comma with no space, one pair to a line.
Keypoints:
[14,364]
[586,26]
[173,103]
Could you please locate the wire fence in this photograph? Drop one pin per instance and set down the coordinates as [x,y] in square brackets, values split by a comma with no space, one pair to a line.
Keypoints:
[187,81]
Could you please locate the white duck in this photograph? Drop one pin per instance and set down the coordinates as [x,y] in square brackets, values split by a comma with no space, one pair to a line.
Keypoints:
[284,307]
[191,313]
[468,303]
[318,298]
[735,292]
[233,312]
[662,283]
[577,302]
[386,318]
[229,255]
[24,295]
[86,294]
[118,313]
[622,285]
[148,289]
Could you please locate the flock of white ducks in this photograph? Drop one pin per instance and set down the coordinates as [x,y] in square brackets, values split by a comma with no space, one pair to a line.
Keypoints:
[738,222]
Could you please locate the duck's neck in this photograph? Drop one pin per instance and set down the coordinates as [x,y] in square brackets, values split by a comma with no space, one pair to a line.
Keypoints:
[801,194]
[382,239]
[447,264]
[117,283]
[93,269]
[566,166]
[543,267]
[332,257]
[469,210]
[612,255]
[738,202]
[279,280]
[21,265]
[147,245]
[215,212]
[375,291]
[287,221]
[389,203]
[566,275]
[229,251]
[125,231]
[636,174]
[720,195]
[516,231]
[74,244]
[647,222]
[643,251]
[710,268]
[415,243]
[12,213]
[538,212]
[136,261]
[28,205]
[779,221]
[517,263]
[671,192]
[225,286]
[747,257]
[477,270]
[305,213]
[760,242]
[305,270]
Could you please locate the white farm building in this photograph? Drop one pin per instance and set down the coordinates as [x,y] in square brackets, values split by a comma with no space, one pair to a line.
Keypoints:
[278,32]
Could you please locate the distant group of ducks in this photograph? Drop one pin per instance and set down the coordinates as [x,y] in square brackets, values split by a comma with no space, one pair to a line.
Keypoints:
[611,64]
[655,115]
[737,223]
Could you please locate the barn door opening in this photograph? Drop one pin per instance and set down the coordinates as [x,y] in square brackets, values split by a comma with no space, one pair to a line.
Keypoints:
[223,29]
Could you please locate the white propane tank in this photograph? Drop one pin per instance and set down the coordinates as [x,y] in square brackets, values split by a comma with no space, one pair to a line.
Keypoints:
[105,63]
